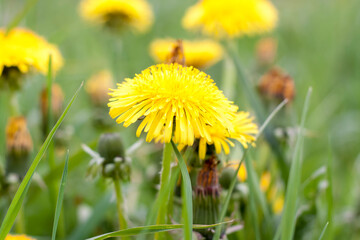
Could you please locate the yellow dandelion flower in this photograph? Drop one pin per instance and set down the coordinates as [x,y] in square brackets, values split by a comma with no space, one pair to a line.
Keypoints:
[197,53]
[18,237]
[98,87]
[231,18]
[265,181]
[175,101]
[244,131]
[118,13]
[278,204]
[25,51]
[242,174]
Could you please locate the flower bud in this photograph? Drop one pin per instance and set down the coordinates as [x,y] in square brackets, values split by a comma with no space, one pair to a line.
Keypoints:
[266,49]
[207,197]
[18,146]
[276,84]
[115,164]
[98,88]
[57,101]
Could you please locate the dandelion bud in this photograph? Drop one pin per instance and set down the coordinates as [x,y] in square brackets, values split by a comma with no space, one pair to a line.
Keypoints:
[207,197]
[115,164]
[18,146]
[266,49]
[276,84]
[98,87]
[57,101]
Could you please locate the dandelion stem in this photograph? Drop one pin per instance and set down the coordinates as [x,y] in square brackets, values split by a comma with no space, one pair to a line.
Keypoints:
[164,179]
[119,203]
[14,104]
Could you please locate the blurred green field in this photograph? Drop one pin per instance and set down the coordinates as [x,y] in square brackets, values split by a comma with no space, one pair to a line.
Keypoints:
[318,45]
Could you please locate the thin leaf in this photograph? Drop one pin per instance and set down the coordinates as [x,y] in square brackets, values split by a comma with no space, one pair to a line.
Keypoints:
[234,178]
[323,231]
[186,194]
[17,200]
[289,214]
[60,196]
[150,229]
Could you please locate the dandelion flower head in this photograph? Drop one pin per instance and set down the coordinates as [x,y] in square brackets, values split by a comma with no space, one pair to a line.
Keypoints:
[18,237]
[175,101]
[244,132]
[197,53]
[231,18]
[118,13]
[24,50]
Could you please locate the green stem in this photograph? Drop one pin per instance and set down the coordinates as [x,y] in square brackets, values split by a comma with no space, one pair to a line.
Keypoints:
[164,179]
[119,204]
[20,222]
[14,104]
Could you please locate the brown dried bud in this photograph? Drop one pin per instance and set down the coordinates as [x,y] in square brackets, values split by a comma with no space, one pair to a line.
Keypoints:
[277,84]
[18,145]
[98,87]
[207,197]
[177,54]
[266,49]
[57,101]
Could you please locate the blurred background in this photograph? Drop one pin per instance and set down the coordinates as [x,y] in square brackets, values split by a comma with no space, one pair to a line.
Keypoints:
[318,45]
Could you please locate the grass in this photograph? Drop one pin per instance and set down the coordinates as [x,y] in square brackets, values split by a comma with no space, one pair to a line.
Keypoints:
[317,46]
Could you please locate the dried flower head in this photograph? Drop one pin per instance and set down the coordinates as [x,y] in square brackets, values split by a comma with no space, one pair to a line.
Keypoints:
[266,49]
[22,51]
[98,87]
[176,101]
[118,14]
[197,53]
[18,146]
[276,84]
[57,101]
[231,18]
[18,139]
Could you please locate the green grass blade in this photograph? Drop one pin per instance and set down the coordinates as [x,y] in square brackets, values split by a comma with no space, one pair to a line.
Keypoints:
[329,195]
[17,200]
[60,197]
[17,19]
[186,194]
[150,229]
[289,214]
[233,180]
[323,231]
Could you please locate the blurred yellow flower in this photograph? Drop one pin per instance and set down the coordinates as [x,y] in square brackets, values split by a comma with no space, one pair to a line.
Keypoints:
[118,13]
[98,87]
[175,101]
[18,237]
[25,51]
[278,204]
[265,181]
[243,131]
[231,18]
[197,53]
[242,174]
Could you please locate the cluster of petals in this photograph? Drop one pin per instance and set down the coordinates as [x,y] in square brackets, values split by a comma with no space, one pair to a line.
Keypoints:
[181,104]
[231,18]
[23,49]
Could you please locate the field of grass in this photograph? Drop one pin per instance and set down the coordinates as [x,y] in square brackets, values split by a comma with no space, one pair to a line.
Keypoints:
[318,45]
